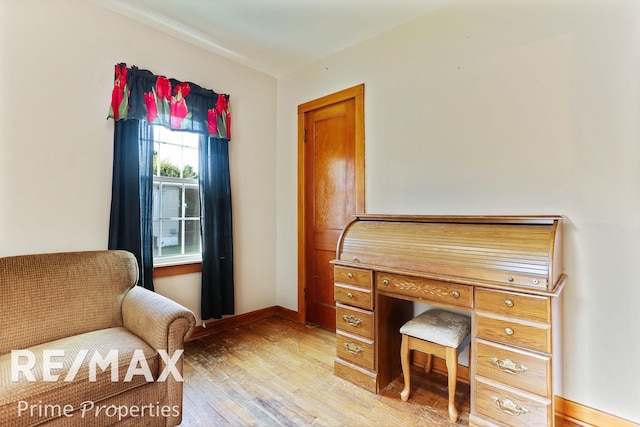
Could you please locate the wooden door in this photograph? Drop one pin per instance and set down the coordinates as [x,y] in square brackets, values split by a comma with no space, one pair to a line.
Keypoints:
[331,190]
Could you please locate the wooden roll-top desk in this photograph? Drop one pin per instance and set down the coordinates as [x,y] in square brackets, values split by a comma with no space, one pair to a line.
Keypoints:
[504,270]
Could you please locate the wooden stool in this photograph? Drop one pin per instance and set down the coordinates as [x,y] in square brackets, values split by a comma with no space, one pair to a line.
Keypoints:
[435,332]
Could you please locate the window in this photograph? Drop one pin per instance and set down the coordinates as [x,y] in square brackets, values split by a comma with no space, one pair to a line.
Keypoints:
[176,199]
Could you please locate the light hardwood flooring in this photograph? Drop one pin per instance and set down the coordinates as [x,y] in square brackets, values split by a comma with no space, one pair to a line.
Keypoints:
[275,372]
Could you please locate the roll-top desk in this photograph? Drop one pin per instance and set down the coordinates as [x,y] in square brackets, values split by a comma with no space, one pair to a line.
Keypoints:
[505,270]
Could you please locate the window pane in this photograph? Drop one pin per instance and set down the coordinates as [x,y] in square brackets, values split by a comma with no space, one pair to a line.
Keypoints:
[168,240]
[171,201]
[191,202]
[170,161]
[192,237]
[190,163]
[190,139]
[160,133]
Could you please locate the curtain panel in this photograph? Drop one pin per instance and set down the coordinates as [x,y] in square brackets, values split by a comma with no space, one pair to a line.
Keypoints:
[216,223]
[130,222]
[140,98]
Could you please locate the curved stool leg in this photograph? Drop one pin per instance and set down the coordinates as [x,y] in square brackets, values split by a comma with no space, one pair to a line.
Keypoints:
[452,373]
[429,364]
[405,359]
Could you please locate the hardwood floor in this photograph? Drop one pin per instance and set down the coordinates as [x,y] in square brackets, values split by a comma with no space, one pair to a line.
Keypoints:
[275,372]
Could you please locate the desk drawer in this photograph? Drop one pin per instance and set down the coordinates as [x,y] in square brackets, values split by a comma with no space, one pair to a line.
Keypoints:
[352,295]
[355,350]
[523,370]
[353,276]
[354,320]
[361,377]
[426,289]
[511,332]
[529,307]
[512,408]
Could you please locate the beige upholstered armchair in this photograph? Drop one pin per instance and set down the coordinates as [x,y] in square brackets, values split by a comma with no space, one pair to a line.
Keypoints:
[80,344]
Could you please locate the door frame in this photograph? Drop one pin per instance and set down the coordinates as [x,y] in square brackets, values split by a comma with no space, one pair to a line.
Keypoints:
[356,93]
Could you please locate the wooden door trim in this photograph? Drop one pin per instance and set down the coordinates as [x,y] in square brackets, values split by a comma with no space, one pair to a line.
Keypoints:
[356,93]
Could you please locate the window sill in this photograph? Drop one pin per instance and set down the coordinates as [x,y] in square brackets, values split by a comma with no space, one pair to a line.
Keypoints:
[170,260]
[166,270]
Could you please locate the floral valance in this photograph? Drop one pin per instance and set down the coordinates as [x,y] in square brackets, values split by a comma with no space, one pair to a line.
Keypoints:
[139,94]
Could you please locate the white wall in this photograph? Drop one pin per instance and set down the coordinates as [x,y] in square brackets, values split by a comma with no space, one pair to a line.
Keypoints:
[56,76]
[503,107]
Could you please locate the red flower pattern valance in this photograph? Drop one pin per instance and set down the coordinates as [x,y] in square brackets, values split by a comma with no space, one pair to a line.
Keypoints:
[139,94]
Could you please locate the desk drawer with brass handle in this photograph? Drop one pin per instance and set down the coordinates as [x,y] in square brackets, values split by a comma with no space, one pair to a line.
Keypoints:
[354,320]
[510,407]
[516,368]
[355,349]
[530,307]
[426,289]
[508,331]
[355,296]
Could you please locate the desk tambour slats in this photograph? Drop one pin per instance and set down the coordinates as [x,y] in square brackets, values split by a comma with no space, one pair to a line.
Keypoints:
[519,254]
[505,270]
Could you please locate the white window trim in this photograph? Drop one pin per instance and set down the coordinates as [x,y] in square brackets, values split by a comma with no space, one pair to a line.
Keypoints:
[169,261]
[179,259]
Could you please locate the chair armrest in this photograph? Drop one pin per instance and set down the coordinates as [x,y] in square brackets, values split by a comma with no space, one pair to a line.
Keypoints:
[161,322]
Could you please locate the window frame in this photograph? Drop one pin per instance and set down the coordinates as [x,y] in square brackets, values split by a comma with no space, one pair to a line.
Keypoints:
[184,184]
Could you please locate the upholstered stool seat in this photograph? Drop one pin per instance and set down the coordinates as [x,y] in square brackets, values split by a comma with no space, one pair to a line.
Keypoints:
[435,332]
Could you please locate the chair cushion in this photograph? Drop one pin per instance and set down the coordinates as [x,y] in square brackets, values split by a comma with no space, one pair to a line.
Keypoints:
[81,390]
[439,326]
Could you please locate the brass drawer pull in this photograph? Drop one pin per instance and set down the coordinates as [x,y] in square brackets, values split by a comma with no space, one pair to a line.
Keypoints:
[510,279]
[508,407]
[508,366]
[385,282]
[352,320]
[508,303]
[350,275]
[455,294]
[508,331]
[352,348]
[350,295]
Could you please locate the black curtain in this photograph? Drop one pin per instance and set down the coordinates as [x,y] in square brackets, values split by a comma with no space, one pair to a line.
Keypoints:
[130,224]
[216,225]
[139,98]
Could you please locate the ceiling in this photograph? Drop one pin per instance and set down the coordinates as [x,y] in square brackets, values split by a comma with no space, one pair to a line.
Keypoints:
[276,37]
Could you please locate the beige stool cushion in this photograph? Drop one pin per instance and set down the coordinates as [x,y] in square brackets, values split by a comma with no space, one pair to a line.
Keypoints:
[439,326]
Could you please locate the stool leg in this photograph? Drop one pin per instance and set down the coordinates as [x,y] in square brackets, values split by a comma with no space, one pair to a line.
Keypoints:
[405,354]
[429,364]
[452,372]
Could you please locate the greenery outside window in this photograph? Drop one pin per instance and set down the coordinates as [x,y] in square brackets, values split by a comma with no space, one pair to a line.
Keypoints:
[176,198]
